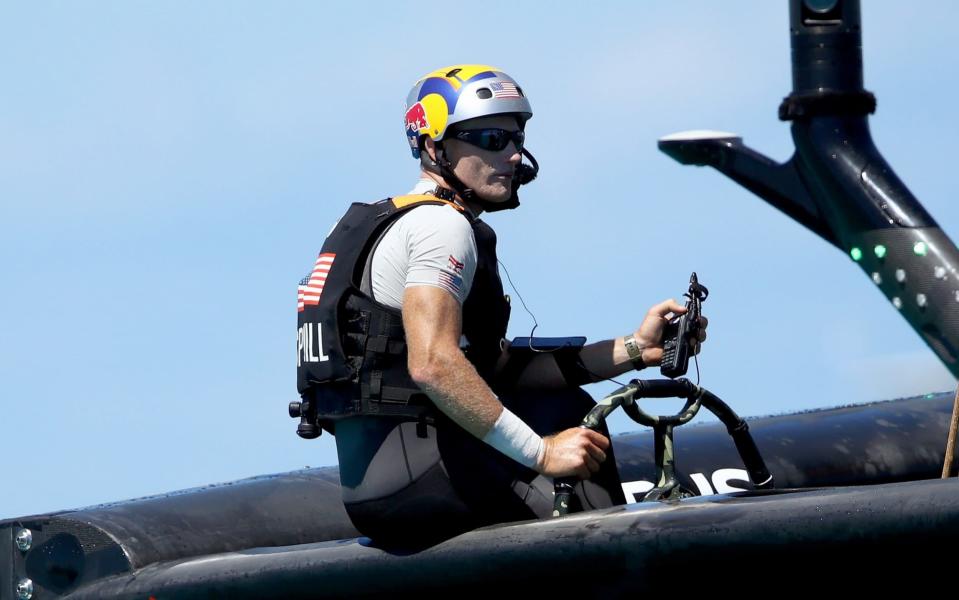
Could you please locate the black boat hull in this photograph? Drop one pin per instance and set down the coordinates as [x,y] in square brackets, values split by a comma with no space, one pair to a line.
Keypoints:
[277,524]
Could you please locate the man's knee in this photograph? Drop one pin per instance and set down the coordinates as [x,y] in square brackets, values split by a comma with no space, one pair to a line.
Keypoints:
[421,514]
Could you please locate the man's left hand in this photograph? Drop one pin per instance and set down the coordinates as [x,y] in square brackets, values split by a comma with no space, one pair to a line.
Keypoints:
[649,336]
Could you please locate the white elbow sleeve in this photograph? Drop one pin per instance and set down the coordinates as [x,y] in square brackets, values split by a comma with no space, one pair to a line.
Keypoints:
[514,438]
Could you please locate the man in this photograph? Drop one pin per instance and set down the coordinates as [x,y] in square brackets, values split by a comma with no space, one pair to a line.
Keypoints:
[440,424]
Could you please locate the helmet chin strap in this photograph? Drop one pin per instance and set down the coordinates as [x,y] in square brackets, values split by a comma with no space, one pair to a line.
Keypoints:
[522,175]
[444,168]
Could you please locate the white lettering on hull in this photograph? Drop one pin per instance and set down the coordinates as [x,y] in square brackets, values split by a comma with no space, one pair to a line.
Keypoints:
[722,480]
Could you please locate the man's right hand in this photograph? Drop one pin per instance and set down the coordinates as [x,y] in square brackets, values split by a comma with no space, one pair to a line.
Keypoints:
[576,451]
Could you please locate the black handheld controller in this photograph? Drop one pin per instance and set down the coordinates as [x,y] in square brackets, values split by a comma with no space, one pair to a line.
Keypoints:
[679,332]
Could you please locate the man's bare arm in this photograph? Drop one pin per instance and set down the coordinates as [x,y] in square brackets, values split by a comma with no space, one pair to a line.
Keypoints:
[432,320]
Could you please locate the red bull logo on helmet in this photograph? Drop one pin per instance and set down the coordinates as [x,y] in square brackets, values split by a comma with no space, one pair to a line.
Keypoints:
[416,119]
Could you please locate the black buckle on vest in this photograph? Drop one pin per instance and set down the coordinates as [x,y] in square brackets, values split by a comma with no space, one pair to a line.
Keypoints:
[360,321]
[444,194]
[377,344]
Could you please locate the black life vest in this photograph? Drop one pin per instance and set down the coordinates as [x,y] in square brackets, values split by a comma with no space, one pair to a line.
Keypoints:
[351,350]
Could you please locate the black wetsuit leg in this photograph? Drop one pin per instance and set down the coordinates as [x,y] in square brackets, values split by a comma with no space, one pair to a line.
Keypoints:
[404,490]
[395,486]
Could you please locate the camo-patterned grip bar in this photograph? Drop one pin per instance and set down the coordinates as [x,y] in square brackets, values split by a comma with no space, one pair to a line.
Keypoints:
[595,418]
[563,486]
[664,388]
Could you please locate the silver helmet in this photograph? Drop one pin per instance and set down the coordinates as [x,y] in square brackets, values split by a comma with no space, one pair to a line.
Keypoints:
[458,93]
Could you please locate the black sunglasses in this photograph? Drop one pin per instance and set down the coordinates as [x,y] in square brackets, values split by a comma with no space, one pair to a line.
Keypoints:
[492,139]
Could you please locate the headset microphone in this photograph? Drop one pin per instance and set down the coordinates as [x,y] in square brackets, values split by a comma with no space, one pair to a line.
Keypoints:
[525,173]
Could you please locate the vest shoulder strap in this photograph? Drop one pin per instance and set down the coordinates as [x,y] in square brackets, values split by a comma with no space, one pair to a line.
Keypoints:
[400,205]
[404,202]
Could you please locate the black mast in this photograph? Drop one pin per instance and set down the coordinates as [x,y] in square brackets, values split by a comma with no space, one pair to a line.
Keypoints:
[837,184]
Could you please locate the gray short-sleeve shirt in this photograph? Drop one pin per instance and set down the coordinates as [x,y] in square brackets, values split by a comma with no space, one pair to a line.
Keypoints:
[430,245]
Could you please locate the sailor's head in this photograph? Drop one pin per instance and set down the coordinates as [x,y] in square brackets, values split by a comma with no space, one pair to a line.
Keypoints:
[465,123]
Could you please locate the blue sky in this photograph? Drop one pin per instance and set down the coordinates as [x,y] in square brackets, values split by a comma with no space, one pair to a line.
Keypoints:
[168,171]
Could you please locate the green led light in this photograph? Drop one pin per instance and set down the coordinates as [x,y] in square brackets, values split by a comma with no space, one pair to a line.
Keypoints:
[856,254]
[920,248]
[880,251]
[930,396]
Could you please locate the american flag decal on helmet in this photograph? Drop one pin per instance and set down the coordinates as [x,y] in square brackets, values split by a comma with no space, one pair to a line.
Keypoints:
[504,89]
[311,287]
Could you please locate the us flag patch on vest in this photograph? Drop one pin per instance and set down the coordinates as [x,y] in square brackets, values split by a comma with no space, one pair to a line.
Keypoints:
[311,287]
